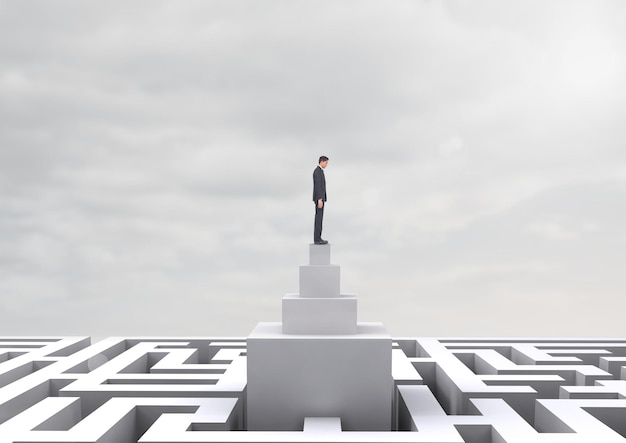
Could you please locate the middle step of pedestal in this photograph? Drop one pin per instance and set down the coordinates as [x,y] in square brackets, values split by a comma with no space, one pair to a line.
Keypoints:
[335,315]
[319,281]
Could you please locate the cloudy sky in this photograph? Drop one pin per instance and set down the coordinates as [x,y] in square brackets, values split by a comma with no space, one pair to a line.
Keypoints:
[156,161]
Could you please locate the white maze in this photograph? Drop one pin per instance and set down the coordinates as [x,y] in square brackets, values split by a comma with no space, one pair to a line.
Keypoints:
[319,376]
[194,390]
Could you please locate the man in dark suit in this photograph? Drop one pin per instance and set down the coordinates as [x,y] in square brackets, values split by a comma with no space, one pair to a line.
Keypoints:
[319,198]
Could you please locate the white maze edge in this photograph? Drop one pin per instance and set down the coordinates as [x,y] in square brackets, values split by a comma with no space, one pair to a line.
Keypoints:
[177,389]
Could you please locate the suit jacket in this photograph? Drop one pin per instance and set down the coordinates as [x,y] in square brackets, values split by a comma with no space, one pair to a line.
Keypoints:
[319,184]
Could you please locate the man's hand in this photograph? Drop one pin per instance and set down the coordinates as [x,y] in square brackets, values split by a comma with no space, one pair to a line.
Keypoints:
[320,203]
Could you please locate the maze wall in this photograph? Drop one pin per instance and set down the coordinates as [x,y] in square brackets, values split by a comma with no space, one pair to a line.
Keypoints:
[126,390]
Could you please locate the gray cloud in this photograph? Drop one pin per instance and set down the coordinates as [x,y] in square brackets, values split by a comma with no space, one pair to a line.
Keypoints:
[155,163]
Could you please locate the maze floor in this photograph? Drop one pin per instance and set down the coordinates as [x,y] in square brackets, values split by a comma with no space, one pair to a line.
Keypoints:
[149,390]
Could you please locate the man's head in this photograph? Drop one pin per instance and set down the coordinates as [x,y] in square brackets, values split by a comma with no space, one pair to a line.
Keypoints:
[323,161]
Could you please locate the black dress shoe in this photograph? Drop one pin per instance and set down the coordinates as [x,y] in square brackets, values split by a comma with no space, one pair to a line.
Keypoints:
[320,242]
[324,242]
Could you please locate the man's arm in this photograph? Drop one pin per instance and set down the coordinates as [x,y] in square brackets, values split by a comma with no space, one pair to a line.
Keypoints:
[318,187]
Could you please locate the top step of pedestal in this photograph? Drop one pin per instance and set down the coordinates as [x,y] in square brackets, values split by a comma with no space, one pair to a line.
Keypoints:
[319,254]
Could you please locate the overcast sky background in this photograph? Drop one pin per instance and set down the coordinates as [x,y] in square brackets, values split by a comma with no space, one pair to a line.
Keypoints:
[156,162]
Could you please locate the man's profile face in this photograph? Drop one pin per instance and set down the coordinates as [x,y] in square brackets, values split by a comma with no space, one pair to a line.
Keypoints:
[323,164]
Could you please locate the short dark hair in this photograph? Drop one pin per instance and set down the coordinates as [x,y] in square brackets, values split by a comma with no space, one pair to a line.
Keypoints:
[323,158]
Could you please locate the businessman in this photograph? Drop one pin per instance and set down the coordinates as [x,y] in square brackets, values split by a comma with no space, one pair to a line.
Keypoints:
[319,198]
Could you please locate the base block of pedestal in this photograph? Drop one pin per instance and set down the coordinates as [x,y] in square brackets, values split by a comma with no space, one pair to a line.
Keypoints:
[335,315]
[291,377]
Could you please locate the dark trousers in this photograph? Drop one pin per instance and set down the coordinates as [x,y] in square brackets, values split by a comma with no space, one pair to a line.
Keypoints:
[319,216]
